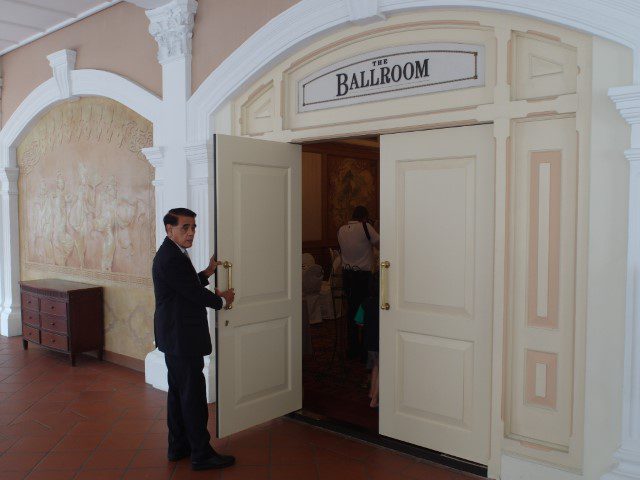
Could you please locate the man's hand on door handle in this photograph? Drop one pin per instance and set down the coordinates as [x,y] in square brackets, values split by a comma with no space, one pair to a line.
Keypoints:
[228,295]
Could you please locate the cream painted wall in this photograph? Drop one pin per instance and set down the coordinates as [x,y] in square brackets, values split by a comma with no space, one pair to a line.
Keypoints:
[608,202]
[215,37]
[115,39]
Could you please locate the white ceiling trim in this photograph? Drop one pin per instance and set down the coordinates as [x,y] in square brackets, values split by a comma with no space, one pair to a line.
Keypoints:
[55,27]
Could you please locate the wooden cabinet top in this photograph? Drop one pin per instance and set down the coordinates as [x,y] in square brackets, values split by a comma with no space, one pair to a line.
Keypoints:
[56,285]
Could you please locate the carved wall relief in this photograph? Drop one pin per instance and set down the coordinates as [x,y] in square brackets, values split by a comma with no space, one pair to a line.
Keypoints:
[87,210]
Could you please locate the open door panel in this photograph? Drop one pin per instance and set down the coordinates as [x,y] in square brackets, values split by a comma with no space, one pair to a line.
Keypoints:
[258,235]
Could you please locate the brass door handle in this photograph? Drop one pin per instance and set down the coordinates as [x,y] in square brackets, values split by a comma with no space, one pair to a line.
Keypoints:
[384,272]
[228,266]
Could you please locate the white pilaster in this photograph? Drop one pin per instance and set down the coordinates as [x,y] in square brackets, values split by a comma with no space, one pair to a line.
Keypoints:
[63,62]
[200,179]
[1,94]
[627,100]
[10,324]
[155,156]
[181,172]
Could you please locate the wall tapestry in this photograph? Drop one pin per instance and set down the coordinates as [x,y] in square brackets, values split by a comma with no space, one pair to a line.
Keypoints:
[352,182]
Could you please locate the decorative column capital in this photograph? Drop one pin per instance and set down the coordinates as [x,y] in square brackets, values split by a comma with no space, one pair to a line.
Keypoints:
[155,156]
[198,156]
[197,153]
[63,62]
[633,154]
[172,27]
[364,11]
[627,100]
[10,180]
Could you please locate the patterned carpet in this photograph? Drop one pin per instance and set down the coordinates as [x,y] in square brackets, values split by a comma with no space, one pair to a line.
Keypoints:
[334,386]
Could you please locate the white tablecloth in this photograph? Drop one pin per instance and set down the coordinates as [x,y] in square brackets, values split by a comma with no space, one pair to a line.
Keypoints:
[327,304]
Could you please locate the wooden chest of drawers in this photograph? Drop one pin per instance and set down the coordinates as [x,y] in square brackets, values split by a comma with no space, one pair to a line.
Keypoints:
[62,315]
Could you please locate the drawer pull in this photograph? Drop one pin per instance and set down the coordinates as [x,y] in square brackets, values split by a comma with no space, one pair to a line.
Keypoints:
[53,307]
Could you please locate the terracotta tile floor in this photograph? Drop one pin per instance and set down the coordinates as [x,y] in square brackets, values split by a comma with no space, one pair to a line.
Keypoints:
[98,421]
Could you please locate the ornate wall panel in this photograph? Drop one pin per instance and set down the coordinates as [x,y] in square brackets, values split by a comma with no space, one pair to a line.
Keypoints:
[86,206]
[542,67]
[259,111]
[544,218]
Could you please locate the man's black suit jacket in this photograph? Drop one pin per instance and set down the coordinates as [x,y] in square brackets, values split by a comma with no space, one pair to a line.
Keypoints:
[180,321]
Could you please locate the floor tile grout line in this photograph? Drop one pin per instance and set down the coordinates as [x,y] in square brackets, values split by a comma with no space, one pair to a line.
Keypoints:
[52,450]
[106,434]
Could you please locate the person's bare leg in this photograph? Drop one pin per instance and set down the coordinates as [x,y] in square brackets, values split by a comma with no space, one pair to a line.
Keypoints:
[374,387]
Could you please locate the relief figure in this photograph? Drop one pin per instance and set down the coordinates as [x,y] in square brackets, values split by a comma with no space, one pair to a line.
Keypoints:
[82,209]
[42,224]
[105,222]
[62,241]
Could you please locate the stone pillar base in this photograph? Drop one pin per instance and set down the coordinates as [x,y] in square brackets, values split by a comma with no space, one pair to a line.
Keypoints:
[11,322]
[155,373]
[628,468]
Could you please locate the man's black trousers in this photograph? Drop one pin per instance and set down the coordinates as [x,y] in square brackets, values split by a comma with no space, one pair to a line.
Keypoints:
[187,413]
[356,285]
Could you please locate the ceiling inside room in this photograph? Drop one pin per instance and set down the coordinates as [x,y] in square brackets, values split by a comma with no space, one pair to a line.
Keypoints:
[22,21]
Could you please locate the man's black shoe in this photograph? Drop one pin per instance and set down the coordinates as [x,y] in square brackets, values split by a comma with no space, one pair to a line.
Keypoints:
[216,461]
[174,457]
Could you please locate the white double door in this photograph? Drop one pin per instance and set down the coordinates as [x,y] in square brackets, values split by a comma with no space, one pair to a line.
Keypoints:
[437,229]
[436,197]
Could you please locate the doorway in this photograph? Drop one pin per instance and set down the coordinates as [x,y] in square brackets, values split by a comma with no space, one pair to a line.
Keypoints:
[338,375]
[436,227]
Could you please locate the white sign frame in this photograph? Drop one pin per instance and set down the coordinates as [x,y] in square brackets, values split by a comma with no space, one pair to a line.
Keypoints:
[449,66]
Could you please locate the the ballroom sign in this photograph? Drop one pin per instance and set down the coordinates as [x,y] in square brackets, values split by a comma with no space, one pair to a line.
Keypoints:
[392,73]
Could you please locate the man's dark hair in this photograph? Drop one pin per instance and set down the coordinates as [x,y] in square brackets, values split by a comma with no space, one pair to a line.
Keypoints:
[360,213]
[171,218]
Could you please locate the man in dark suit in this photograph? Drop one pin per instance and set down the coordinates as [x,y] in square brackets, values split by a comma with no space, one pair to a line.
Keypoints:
[182,334]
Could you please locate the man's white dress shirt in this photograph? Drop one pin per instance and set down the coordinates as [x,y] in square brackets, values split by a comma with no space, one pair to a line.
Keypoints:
[355,248]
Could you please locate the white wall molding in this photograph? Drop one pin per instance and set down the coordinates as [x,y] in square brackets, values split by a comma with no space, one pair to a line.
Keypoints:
[1,82]
[172,27]
[627,100]
[364,11]
[63,62]
[149,4]
[41,99]
[616,20]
